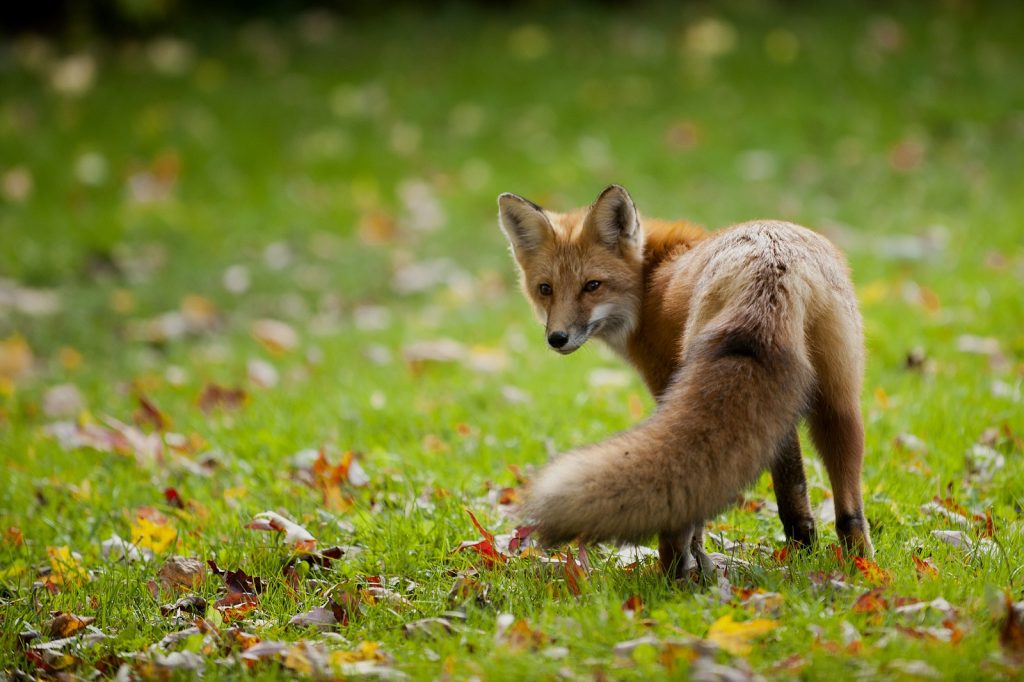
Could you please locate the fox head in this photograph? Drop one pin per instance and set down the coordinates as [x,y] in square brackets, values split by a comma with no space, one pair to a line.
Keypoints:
[581,270]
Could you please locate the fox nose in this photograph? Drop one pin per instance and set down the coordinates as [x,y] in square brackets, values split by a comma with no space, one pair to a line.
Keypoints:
[557,339]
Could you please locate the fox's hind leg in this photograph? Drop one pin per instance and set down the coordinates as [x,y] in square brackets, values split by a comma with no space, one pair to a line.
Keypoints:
[681,553]
[790,485]
[839,437]
[837,427]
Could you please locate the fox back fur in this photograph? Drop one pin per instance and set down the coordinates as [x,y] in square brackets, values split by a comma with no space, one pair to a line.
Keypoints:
[737,334]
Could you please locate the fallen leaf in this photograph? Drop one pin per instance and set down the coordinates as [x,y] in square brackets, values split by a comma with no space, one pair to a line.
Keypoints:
[519,537]
[438,351]
[178,660]
[276,336]
[1011,633]
[192,605]
[116,548]
[428,628]
[633,605]
[574,573]
[150,414]
[214,396]
[16,359]
[264,650]
[237,581]
[180,572]
[261,373]
[871,601]
[518,634]
[924,567]
[63,400]
[236,605]
[736,637]
[875,574]
[155,536]
[961,540]
[173,498]
[14,537]
[319,617]
[486,547]
[294,534]
[65,567]
[65,624]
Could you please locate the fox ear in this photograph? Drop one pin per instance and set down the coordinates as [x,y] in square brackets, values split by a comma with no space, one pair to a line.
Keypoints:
[614,221]
[524,223]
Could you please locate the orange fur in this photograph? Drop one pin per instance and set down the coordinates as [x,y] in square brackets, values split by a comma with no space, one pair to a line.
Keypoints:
[737,334]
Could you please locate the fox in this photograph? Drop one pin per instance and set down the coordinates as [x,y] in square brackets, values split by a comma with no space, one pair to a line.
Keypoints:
[739,334]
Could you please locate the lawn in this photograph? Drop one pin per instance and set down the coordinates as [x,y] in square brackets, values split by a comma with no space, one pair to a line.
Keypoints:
[255,266]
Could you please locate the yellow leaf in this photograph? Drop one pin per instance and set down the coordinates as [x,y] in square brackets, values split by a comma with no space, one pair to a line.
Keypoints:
[882,398]
[296,659]
[13,570]
[154,536]
[69,358]
[66,569]
[15,357]
[735,637]
[366,651]
[874,292]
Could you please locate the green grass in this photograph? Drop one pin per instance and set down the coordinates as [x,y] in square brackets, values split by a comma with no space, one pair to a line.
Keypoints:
[886,133]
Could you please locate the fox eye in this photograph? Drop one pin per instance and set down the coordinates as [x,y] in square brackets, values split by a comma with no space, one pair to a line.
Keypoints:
[545,289]
[592,285]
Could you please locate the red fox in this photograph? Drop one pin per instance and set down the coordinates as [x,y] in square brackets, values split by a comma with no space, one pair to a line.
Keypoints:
[738,334]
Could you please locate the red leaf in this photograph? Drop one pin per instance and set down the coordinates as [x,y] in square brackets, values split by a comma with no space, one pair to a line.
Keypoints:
[173,498]
[486,548]
[519,536]
[483,531]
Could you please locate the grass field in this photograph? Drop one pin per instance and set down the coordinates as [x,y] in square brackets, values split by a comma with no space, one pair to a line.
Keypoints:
[224,251]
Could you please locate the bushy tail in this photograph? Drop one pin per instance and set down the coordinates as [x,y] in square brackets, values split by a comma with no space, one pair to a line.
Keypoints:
[741,388]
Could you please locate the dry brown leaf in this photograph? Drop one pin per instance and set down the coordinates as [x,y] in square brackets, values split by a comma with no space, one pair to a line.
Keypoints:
[1011,634]
[183,573]
[64,624]
[275,335]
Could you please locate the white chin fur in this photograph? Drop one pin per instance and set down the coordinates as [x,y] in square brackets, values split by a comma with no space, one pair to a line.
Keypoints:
[614,335]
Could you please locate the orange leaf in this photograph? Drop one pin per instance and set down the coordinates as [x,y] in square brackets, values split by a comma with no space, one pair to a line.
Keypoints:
[875,574]
[633,605]
[573,573]
[871,602]
[67,624]
[924,567]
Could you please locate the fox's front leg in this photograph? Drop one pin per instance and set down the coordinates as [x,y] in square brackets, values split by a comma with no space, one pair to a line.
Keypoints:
[680,553]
